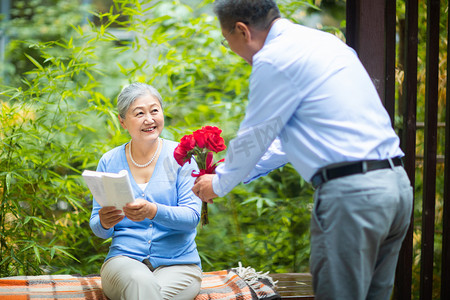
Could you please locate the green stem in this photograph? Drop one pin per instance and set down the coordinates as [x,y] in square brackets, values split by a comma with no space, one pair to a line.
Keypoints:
[204,215]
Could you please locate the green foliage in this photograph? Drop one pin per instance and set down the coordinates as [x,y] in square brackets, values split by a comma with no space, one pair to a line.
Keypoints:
[33,22]
[58,116]
[264,225]
[46,141]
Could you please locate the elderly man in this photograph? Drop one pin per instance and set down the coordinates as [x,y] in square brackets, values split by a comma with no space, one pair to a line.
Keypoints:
[312,103]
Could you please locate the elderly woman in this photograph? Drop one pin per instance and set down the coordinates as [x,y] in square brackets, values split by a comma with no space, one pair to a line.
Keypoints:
[153,254]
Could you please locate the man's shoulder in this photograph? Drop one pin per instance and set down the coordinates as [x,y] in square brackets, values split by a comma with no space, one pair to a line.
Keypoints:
[293,45]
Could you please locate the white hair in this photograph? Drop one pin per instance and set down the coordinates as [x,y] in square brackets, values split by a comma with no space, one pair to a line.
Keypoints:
[133,91]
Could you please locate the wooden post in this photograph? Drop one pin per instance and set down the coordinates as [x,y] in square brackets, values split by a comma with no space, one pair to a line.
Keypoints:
[430,150]
[374,41]
[445,268]
[403,278]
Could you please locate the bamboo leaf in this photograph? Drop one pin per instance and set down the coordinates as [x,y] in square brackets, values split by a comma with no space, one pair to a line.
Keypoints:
[37,254]
[65,252]
[8,182]
[35,62]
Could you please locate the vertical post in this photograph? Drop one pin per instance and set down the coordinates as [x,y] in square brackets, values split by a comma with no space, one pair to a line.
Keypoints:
[367,35]
[445,269]
[430,150]
[403,279]
[390,53]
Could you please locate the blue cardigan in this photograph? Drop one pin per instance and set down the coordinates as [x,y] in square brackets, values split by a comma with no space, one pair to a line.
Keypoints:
[169,238]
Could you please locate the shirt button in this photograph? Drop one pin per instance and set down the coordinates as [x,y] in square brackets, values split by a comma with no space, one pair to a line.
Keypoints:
[150,241]
[151,225]
[143,195]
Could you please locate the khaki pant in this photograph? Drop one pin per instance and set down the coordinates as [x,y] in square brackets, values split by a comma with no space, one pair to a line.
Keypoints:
[357,228]
[128,279]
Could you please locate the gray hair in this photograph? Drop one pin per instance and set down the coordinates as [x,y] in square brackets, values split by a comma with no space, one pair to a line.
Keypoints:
[133,91]
[256,13]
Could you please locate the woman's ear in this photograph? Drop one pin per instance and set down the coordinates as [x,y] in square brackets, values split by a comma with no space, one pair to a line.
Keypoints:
[122,123]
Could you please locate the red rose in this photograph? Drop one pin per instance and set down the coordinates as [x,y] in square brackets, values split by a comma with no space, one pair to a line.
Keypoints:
[215,143]
[188,142]
[213,140]
[181,152]
[180,155]
[212,130]
[199,136]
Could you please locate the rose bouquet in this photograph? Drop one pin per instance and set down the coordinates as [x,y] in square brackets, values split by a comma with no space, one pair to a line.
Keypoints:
[200,145]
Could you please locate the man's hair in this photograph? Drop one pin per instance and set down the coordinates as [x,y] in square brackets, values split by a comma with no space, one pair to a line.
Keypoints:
[256,13]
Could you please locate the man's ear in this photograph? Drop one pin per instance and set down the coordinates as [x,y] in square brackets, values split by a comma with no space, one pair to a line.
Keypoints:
[243,30]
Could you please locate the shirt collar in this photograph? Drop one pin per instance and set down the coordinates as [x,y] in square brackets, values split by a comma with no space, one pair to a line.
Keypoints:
[276,29]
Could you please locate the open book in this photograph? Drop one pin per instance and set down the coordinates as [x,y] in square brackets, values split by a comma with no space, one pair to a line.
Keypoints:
[109,189]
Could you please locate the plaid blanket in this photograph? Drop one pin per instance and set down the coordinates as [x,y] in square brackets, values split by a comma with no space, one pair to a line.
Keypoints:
[51,287]
[227,284]
[224,284]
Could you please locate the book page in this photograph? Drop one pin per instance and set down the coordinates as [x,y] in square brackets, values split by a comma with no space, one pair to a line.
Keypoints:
[95,184]
[118,189]
[109,189]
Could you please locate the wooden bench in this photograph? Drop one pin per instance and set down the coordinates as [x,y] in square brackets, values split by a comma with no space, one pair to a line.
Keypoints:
[290,286]
[294,286]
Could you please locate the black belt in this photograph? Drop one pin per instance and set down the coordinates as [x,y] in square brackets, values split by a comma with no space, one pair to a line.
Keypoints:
[329,173]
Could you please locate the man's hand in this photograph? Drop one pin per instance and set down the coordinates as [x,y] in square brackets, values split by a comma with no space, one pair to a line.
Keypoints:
[203,188]
[110,216]
[139,210]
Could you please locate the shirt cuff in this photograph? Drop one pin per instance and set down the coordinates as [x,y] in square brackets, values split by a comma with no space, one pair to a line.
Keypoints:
[161,212]
[216,186]
[102,232]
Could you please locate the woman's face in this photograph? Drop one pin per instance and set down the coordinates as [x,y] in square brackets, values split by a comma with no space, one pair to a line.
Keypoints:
[144,119]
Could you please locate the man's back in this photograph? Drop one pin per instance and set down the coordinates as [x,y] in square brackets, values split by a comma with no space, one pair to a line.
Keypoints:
[332,109]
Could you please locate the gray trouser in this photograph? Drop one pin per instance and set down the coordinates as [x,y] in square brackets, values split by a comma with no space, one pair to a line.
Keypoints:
[357,228]
[128,279]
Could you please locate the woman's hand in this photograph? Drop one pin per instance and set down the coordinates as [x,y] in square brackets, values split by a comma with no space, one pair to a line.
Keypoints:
[110,216]
[139,210]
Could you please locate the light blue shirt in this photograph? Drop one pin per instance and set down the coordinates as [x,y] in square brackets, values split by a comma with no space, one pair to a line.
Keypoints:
[169,238]
[311,103]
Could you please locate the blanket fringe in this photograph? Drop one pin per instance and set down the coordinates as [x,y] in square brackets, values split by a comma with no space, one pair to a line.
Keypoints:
[251,276]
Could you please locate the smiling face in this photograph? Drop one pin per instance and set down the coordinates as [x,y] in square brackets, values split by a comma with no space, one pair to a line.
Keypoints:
[144,119]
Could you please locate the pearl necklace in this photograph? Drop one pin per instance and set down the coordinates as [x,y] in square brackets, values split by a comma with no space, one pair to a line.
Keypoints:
[146,164]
